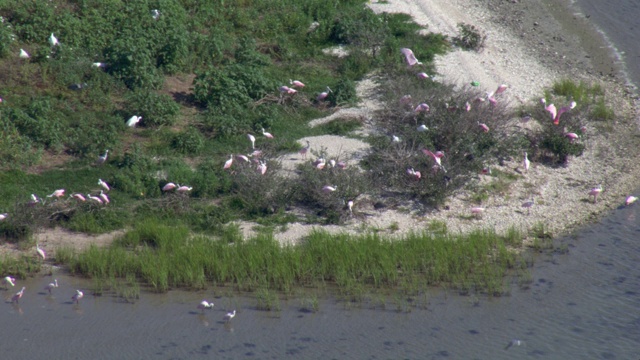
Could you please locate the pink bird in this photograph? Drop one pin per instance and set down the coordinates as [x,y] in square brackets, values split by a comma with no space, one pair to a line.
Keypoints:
[58,193]
[410,57]
[78,197]
[323,95]
[320,163]
[423,107]
[329,188]
[595,192]
[501,88]
[94,198]
[266,134]
[413,173]
[242,157]
[183,189]
[228,163]
[104,184]
[51,286]
[435,157]
[305,150]
[296,83]
[284,89]
[483,126]
[630,200]
[104,197]
[16,298]
[41,252]
[467,106]
[341,164]
[555,114]
[572,136]
[169,186]
[262,167]
[477,211]
[423,75]
[76,298]
[492,99]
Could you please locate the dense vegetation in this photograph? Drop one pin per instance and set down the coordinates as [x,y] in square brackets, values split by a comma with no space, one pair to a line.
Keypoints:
[204,74]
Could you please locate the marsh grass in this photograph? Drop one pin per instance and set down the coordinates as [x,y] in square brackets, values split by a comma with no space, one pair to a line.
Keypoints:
[166,257]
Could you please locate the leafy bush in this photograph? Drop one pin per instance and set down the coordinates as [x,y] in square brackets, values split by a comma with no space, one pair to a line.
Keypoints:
[470,38]
[155,109]
[188,142]
[343,93]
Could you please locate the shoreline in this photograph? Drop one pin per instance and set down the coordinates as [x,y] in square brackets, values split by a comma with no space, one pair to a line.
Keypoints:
[527,49]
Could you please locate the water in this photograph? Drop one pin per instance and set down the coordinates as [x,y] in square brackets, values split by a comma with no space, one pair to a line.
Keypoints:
[582,304]
[618,20]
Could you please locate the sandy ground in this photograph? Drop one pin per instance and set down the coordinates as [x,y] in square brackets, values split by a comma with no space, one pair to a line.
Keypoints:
[527,48]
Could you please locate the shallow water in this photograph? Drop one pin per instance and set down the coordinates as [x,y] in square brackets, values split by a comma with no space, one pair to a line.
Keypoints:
[581,305]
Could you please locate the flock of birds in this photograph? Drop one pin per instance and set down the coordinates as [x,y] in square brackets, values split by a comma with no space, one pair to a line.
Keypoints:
[15,299]
[437,156]
[204,304]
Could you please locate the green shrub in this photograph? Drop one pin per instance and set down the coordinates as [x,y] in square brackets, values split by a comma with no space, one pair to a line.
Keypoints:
[343,93]
[470,38]
[155,109]
[188,142]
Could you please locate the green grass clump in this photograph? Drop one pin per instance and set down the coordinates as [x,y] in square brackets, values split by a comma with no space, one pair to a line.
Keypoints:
[165,257]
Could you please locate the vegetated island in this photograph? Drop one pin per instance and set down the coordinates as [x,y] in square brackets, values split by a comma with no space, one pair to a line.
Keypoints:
[211,97]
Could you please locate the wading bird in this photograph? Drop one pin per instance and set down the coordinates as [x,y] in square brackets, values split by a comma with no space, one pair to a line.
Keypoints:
[104,184]
[525,162]
[16,298]
[477,211]
[58,193]
[34,199]
[528,205]
[395,139]
[104,197]
[169,186]
[514,342]
[571,136]
[242,157]
[630,200]
[53,41]
[103,158]
[41,252]
[24,54]
[78,197]
[305,150]
[323,95]
[99,64]
[76,298]
[435,156]
[262,167]
[133,121]
[350,206]
[296,83]
[483,127]
[266,134]
[405,100]
[423,75]
[501,88]
[3,216]
[94,198]
[228,163]
[51,286]
[329,188]
[229,316]
[184,189]
[8,280]
[423,107]
[595,192]
[422,128]
[204,304]
[413,173]
[555,114]
[410,57]
[253,140]
[155,14]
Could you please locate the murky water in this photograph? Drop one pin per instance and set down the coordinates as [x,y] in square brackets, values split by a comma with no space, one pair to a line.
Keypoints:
[584,304]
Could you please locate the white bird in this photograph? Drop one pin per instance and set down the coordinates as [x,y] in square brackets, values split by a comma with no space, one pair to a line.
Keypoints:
[133,121]
[99,64]
[526,162]
[253,140]
[53,41]
[94,198]
[8,280]
[3,216]
[24,54]
[52,285]
[229,316]
[350,206]
[204,304]
[40,252]
[329,188]
[104,197]
[103,158]
[34,199]
[104,184]
[422,128]
[76,298]
[395,139]
[514,342]
[155,14]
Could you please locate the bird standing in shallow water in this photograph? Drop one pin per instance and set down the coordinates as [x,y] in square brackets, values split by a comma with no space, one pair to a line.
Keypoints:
[76,298]
[204,304]
[229,316]
[8,280]
[51,286]
[17,296]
